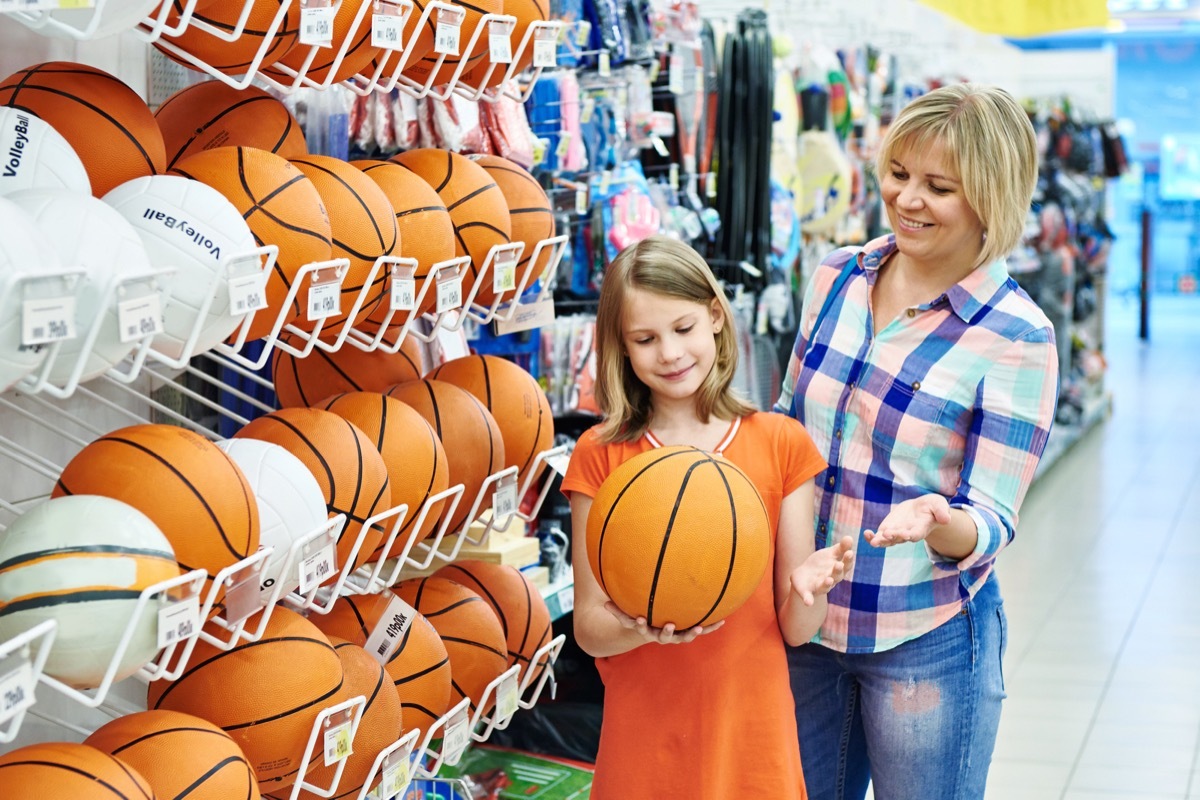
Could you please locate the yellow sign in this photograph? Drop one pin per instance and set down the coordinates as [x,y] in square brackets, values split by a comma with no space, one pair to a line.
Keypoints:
[1020,18]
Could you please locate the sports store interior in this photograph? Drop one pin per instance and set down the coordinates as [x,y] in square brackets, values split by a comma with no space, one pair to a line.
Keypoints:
[236,237]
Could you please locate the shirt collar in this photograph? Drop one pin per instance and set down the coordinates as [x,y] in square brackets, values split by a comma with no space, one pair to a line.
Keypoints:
[966,298]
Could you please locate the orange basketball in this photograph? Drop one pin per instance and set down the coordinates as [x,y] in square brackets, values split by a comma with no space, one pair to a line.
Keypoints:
[468,627]
[517,602]
[426,230]
[236,57]
[529,211]
[359,53]
[345,463]
[65,769]
[419,69]
[282,207]
[527,12]
[107,124]
[515,400]
[364,228]
[476,205]
[265,694]
[199,498]
[468,432]
[678,535]
[214,114]
[419,666]
[179,755]
[416,462]
[306,381]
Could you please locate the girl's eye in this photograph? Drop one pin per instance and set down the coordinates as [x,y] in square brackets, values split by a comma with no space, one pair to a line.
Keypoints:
[685,330]
[641,341]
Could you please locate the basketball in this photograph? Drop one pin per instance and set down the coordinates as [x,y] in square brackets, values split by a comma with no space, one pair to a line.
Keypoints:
[83,561]
[469,629]
[476,205]
[22,248]
[678,535]
[426,230]
[350,471]
[528,209]
[181,756]
[236,57]
[380,726]
[192,491]
[192,227]
[527,12]
[359,52]
[107,124]
[281,206]
[108,248]
[363,229]
[415,459]
[265,694]
[306,381]
[468,433]
[289,499]
[419,69]
[515,400]
[214,114]
[518,604]
[66,769]
[36,156]
[419,666]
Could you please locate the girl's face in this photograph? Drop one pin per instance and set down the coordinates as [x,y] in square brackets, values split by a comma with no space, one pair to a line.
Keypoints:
[671,342]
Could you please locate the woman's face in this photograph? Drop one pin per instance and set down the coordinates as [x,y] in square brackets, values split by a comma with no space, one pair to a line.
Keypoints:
[935,226]
[671,342]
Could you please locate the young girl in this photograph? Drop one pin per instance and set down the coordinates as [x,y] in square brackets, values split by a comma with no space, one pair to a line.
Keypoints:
[706,712]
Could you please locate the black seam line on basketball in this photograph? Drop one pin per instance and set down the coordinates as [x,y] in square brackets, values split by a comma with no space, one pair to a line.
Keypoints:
[200,781]
[528,612]
[451,607]
[76,770]
[487,225]
[241,648]
[479,645]
[314,702]
[427,712]
[225,26]
[487,382]
[129,773]
[353,193]
[732,543]
[666,540]
[612,509]
[534,210]
[148,736]
[437,413]
[483,416]
[97,110]
[315,452]
[537,437]
[108,549]
[362,621]
[46,601]
[483,590]
[421,674]
[412,517]
[328,359]
[212,515]
[420,210]
[379,679]
[449,173]
[518,172]
[225,112]
[402,644]
[471,195]
[358,479]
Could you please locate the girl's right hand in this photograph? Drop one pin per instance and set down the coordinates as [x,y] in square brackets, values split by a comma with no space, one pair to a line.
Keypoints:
[664,635]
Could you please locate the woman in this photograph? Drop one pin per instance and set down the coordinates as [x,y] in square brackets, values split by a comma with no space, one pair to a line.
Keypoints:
[929,385]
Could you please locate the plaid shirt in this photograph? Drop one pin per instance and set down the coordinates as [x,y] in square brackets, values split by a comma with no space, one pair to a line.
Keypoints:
[956,397]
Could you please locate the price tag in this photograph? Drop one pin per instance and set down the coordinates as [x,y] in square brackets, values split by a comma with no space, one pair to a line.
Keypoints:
[605,64]
[458,736]
[178,621]
[587,110]
[390,630]
[710,186]
[583,32]
[605,181]
[504,272]
[139,317]
[655,69]
[699,75]
[545,52]
[581,202]
[244,598]
[16,686]
[70,4]
[564,144]
[673,177]
[47,320]
[500,42]
[566,599]
[318,568]
[316,23]
[559,463]
[247,293]
[397,774]
[506,697]
[449,27]
[387,24]
[675,74]
[504,499]
[449,293]
[339,740]
[324,300]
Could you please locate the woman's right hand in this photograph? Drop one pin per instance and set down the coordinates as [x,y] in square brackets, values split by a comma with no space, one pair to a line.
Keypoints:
[664,635]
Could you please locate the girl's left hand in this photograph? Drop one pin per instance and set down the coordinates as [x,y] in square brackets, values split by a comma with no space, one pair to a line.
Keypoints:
[910,521]
[823,570]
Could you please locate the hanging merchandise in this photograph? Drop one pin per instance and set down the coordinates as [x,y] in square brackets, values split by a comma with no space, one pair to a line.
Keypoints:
[826,176]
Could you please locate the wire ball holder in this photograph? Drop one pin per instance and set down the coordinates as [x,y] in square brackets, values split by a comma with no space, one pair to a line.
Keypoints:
[22,659]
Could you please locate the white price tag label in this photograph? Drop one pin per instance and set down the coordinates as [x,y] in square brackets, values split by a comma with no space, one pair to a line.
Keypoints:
[675,74]
[178,621]
[545,53]
[140,317]
[581,202]
[507,697]
[404,293]
[504,272]
[247,293]
[605,65]
[16,687]
[673,177]
[458,736]
[699,75]
[51,319]
[500,42]
[564,144]
[390,630]
[316,24]
[397,775]
[447,32]
[449,294]
[587,110]
[387,24]
[559,463]
[339,741]
[324,300]
[566,599]
[583,32]
[504,499]
[318,568]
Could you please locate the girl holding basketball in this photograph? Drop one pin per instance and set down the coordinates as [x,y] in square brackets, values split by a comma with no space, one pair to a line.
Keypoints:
[705,712]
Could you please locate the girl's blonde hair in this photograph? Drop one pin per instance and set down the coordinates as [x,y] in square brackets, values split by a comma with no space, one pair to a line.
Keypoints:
[994,149]
[667,267]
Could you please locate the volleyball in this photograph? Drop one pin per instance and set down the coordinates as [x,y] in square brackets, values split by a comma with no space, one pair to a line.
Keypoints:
[33,154]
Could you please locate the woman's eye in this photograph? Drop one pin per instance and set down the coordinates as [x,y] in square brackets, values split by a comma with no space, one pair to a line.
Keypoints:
[898,175]
[938,189]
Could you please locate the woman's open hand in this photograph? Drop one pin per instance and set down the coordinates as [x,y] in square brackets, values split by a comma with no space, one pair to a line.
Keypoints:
[910,521]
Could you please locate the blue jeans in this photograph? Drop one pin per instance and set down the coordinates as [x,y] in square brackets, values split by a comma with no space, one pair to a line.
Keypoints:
[919,721]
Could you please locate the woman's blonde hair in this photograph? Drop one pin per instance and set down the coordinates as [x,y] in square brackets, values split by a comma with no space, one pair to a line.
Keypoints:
[994,148]
[667,267]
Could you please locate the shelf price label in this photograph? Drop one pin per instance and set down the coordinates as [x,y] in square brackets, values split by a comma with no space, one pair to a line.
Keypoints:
[247,293]
[139,317]
[16,686]
[604,67]
[316,22]
[448,31]
[675,74]
[449,291]
[47,320]
[507,696]
[500,41]
[545,50]
[178,621]
[566,599]
[504,499]
[397,774]
[390,630]
[339,741]
[458,736]
[387,23]
[558,462]
[404,288]
[324,296]
[243,598]
[318,567]
[504,271]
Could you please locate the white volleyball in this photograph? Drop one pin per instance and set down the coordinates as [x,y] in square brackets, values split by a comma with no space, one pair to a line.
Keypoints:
[23,250]
[34,154]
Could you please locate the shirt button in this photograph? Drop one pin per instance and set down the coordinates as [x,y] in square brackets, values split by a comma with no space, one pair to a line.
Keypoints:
[912,312]
[837,434]
[829,481]
[916,387]
[824,527]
